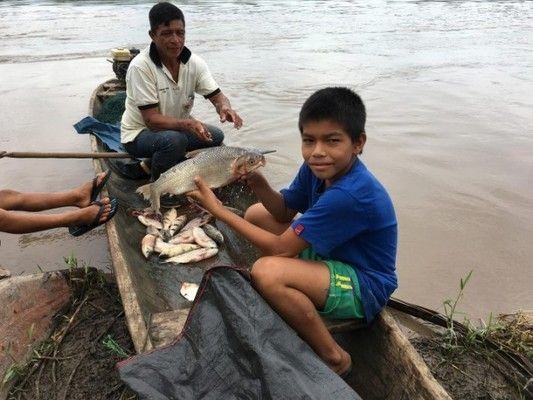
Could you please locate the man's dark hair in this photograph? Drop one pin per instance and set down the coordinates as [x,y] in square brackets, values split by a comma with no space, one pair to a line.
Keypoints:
[336,104]
[162,13]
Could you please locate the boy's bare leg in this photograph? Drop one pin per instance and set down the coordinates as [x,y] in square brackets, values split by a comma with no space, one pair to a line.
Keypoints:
[258,215]
[26,222]
[295,288]
[38,201]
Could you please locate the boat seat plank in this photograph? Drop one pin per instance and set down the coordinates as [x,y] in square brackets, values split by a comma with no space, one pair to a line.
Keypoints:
[344,325]
[166,326]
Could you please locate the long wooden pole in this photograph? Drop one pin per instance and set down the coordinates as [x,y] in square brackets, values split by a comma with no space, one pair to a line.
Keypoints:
[29,154]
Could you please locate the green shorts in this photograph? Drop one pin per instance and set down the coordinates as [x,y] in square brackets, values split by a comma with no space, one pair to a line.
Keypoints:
[344,295]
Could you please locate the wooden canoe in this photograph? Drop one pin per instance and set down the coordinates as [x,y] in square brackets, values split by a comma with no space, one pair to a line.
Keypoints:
[385,363]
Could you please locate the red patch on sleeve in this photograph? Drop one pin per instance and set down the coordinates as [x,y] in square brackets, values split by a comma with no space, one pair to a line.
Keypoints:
[298,229]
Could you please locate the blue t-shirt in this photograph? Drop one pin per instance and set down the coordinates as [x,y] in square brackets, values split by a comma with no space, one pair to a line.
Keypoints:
[352,221]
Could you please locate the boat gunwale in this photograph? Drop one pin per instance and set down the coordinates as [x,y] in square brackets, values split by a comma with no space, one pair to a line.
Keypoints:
[134,315]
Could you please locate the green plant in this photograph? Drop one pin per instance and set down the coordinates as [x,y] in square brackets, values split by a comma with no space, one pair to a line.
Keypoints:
[469,335]
[450,311]
[476,335]
[14,371]
[20,369]
[112,345]
[72,263]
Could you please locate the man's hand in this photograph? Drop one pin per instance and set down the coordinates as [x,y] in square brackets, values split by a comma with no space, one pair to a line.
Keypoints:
[199,130]
[205,196]
[228,114]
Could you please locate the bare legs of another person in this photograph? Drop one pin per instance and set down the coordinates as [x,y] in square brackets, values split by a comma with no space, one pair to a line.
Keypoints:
[17,209]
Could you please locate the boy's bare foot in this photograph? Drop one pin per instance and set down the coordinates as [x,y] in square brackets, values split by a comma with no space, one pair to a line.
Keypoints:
[343,365]
[83,193]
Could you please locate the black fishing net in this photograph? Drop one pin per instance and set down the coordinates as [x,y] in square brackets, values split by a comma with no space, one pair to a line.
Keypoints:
[112,108]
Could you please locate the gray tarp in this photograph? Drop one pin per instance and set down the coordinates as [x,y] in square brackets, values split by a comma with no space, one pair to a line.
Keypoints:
[233,346]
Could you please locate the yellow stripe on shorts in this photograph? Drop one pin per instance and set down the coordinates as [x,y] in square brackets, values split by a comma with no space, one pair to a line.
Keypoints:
[343,286]
[342,278]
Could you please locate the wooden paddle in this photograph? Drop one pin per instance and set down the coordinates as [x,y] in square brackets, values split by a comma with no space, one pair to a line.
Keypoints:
[29,154]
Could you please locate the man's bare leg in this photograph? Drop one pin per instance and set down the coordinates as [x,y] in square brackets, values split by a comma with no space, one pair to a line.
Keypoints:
[39,201]
[295,288]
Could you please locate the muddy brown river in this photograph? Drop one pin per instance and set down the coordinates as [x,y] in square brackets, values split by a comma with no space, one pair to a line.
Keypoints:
[447,86]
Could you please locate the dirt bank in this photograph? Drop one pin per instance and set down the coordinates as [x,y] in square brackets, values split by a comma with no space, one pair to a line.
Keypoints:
[78,361]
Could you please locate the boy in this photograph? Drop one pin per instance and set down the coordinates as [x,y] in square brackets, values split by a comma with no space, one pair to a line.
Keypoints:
[161,83]
[338,258]
[90,213]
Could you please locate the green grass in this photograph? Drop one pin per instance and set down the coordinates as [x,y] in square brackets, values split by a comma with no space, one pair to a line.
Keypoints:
[111,344]
[511,333]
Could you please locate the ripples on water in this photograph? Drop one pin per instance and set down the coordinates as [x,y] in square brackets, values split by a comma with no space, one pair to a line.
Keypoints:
[447,86]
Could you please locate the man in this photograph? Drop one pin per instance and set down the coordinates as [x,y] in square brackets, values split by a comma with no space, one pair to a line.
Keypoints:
[160,86]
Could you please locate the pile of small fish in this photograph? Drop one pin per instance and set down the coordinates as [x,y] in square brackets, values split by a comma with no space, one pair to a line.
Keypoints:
[178,240]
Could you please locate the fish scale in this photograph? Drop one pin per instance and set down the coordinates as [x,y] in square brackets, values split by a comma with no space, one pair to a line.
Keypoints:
[216,165]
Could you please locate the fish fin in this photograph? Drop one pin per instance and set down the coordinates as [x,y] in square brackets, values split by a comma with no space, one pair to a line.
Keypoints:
[260,151]
[194,153]
[155,202]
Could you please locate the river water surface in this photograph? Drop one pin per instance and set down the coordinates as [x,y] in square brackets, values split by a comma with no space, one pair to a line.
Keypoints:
[447,86]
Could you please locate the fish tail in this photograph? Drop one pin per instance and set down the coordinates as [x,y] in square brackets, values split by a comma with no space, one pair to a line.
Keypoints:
[145,190]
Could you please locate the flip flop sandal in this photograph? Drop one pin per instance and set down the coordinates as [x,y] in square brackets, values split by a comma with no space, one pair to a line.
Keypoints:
[346,374]
[97,187]
[77,230]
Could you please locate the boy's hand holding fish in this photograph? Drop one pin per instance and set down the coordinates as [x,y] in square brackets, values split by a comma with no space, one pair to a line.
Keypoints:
[206,197]
[254,179]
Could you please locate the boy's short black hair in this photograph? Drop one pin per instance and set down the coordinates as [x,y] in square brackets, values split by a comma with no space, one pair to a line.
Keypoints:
[337,104]
[162,13]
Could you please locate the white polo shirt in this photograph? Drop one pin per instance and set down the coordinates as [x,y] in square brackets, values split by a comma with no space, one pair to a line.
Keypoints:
[149,83]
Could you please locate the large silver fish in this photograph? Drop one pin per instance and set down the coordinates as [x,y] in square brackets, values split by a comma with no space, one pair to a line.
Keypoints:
[218,166]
